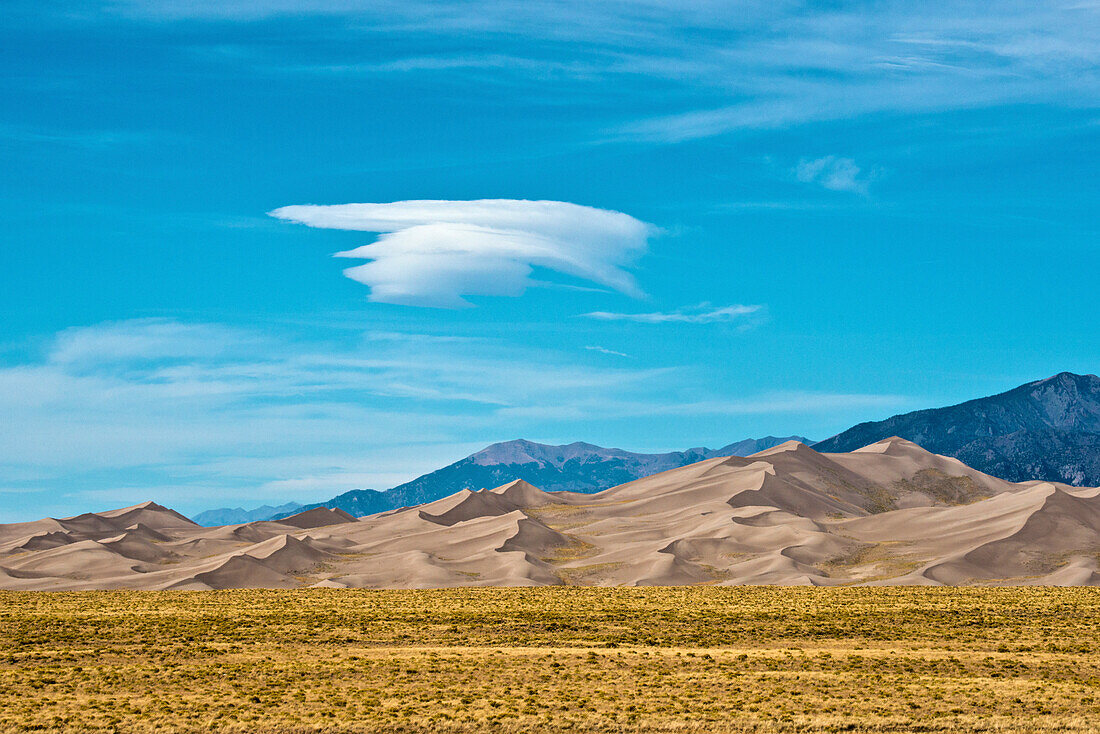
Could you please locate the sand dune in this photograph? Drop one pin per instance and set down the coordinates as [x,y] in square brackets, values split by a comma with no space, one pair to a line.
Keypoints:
[287,554]
[132,545]
[889,513]
[317,517]
[149,514]
[238,572]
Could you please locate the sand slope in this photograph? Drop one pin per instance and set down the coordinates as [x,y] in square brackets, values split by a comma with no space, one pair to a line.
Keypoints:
[888,513]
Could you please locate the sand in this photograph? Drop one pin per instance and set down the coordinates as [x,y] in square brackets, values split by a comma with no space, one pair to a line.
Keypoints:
[889,513]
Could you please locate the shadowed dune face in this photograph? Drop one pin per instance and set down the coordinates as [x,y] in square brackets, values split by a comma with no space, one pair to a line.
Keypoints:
[889,513]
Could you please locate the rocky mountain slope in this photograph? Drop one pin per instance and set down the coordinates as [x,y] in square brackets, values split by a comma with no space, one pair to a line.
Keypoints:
[888,513]
[1049,429]
[576,467]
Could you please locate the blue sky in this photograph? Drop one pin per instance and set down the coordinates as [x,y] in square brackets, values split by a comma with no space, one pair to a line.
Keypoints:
[707,221]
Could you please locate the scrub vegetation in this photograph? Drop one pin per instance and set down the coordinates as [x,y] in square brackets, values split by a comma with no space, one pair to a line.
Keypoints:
[684,659]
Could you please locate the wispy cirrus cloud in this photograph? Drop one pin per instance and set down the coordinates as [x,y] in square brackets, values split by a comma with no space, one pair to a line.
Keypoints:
[833,173]
[704,313]
[199,413]
[177,410]
[149,340]
[434,253]
[763,66]
[811,63]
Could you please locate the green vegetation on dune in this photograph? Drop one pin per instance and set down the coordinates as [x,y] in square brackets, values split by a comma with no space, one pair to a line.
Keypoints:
[688,659]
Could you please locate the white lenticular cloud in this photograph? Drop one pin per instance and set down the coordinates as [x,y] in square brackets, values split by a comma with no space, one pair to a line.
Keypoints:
[433,253]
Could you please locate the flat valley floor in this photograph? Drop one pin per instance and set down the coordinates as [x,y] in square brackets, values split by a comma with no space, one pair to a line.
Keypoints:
[684,659]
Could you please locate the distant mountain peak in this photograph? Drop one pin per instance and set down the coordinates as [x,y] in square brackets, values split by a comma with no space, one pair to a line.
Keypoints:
[522,451]
[1067,378]
[1068,401]
[1048,429]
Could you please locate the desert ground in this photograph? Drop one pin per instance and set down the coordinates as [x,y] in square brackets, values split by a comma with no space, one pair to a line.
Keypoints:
[682,659]
[889,513]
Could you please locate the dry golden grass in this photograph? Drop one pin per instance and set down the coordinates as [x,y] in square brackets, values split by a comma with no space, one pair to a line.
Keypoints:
[698,659]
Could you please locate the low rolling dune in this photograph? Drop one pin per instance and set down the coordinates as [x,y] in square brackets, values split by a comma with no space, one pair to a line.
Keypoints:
[889,513]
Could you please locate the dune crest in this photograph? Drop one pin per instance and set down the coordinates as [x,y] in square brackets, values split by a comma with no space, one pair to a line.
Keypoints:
[888,513]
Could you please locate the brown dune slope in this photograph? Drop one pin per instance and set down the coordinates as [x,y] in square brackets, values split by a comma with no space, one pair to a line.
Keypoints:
[889,513]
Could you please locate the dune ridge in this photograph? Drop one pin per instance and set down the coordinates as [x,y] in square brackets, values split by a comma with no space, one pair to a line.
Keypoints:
[887,513]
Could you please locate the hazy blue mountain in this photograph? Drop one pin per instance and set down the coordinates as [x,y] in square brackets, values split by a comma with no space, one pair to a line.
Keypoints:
[1049,429]
[576,467]
[237,515]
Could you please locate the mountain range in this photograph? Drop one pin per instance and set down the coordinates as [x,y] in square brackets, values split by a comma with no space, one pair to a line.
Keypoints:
[887,513]
[576,467]
[234,515]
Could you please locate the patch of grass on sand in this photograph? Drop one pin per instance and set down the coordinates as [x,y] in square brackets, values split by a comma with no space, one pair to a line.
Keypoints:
[945,489]
[872,562]
[695,659]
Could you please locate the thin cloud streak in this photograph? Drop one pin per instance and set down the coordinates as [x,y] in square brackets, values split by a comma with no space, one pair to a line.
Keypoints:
[789,402]
[773,403]
[604,350]
[701,314]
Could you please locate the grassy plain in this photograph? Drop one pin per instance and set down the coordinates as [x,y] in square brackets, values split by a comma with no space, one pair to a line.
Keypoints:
[696,659]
